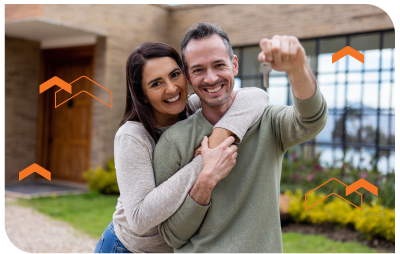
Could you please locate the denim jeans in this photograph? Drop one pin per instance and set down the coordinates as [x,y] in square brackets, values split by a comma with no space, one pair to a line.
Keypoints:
[109,242]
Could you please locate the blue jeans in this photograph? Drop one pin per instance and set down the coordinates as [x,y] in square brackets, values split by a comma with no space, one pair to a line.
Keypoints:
[109,242]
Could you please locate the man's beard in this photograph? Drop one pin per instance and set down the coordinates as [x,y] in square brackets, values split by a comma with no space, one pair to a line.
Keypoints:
[222,101]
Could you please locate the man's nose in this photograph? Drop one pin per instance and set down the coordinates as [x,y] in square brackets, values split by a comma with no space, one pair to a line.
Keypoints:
[211,77]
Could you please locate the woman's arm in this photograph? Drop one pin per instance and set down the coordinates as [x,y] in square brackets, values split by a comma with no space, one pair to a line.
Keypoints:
[245,111]
[145,205]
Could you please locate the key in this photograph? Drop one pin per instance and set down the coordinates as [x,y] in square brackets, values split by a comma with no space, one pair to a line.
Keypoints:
[265,69]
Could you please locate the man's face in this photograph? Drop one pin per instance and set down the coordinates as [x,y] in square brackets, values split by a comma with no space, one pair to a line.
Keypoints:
[210,70]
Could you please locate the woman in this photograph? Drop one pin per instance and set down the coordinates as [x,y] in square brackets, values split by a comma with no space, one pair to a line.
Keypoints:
[156,99]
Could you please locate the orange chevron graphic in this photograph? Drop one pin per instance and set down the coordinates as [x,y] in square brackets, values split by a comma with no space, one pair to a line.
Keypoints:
[55,99]
[349,189]
[35,168]
[348,51]
[55,81]
[364,184]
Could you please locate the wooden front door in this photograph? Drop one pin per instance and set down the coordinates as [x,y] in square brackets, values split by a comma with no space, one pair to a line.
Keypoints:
[65,131]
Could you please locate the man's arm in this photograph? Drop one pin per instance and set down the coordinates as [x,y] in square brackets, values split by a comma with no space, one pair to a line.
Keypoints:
[308,116]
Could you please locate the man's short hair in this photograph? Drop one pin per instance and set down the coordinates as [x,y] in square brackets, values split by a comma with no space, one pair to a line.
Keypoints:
[203,30]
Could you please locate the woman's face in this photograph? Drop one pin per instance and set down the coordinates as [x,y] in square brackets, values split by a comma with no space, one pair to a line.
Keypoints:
[164,87]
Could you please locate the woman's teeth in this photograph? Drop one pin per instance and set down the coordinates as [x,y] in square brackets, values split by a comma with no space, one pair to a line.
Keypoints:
[173,99]
[214,90]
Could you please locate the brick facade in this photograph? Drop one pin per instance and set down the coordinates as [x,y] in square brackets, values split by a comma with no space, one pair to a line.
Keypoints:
[22,68]
[124,28]
[248,24]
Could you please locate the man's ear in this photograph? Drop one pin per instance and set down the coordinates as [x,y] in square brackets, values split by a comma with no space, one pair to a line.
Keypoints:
[235,65]
[187,76]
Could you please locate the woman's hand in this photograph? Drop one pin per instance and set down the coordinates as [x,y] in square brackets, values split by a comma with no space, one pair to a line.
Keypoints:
[197,152]
[217,164]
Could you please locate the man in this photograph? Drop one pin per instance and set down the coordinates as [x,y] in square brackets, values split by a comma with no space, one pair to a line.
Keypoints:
[241,212]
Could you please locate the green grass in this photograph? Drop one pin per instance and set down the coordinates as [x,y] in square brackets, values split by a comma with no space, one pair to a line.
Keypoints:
[297,243]
[90,212]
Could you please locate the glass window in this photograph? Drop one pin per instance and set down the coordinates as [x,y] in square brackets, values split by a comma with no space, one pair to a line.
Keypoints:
[278,95]
[238,83]
[326,79]
[353,92]
[251,83]
[385,95]
[371,77]
[329,89]
[251,65]
[326,134]
[354,95]
[388,40]
[386,59]
[364,41]
[278,80]
[370,96]
[372,59]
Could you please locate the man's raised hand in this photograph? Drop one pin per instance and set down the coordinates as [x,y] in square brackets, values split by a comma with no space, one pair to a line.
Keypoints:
[285,53]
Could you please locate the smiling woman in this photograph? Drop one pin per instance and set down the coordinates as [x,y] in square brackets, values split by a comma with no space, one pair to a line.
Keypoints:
[164,89]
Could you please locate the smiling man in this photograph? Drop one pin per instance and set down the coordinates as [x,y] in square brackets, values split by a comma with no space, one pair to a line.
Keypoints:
[241,212]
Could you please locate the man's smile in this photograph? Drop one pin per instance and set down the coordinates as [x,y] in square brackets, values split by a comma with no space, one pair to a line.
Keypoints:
[214,90]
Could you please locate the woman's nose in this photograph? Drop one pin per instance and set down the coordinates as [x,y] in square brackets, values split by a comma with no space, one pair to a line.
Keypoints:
[171,88]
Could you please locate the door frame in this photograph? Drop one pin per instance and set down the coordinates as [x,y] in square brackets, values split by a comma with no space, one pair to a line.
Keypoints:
[46,99]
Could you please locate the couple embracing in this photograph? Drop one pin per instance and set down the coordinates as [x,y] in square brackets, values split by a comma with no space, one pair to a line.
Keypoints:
[202,173]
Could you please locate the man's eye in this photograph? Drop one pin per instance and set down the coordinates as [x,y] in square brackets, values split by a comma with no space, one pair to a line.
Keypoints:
[220,65]
[196,70]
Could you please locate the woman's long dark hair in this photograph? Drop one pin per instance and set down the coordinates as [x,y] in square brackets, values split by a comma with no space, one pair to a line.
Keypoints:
[136,109]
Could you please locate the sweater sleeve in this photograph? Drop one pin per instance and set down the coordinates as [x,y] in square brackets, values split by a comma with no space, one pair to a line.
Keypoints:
[300,122]
[145,205]
[245,111]
[182,225]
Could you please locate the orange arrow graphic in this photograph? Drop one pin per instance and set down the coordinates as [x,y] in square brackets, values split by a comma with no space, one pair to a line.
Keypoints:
[364,184]
[347,51]
[55,99]
[53,82]
[35,168]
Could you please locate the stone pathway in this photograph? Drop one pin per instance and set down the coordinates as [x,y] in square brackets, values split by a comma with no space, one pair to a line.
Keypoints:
[34,232]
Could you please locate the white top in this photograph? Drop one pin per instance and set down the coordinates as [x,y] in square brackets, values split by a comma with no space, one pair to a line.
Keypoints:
[141,206]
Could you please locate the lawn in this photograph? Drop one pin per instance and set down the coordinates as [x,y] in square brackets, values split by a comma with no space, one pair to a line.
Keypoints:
[92,212]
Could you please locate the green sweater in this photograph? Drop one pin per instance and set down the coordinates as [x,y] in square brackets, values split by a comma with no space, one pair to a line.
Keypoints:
[243,215]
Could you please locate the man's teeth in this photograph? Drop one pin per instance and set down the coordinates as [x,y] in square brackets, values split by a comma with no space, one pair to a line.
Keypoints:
[214,90]
[174,99]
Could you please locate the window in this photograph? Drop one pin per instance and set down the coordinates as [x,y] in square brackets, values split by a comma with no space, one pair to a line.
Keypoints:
[360,97]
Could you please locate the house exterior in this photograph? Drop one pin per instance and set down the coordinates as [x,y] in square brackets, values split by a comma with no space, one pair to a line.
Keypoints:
[70,41]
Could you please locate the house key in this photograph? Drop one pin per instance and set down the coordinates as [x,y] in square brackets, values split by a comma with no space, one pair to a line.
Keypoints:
[265,69]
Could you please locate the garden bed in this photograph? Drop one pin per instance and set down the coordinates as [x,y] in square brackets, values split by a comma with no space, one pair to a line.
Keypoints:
[342,234]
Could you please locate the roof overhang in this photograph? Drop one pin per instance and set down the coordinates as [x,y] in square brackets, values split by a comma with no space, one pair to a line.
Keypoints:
[50,33]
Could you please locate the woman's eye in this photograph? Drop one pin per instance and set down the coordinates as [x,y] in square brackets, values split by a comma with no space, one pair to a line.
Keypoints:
[155,84]
[176,74]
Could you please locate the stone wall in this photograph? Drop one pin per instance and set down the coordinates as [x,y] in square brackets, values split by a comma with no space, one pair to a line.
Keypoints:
[22,68]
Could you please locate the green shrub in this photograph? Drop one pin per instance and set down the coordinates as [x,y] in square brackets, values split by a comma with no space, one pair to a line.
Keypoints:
[374,219]
[103,180]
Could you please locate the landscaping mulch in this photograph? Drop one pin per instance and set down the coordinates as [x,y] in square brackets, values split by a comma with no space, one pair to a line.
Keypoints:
[342,234]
